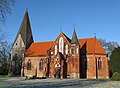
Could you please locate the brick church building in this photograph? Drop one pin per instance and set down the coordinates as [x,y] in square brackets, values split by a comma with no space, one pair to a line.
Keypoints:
[62,58]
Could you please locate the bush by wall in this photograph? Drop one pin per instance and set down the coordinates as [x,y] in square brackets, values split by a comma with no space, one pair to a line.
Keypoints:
[116,76]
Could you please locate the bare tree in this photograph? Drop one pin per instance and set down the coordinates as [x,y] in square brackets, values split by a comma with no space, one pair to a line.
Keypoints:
[4,56]
[103,43]
[108,46]
[5,8]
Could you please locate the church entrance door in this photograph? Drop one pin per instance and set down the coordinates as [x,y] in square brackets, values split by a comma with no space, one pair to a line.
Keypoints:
[57,73]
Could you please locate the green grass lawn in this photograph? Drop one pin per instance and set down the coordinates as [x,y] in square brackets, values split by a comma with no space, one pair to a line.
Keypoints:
[4,76]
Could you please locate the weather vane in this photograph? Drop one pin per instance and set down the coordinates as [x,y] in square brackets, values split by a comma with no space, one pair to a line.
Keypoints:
[94,35]
[74,25]
[60,29]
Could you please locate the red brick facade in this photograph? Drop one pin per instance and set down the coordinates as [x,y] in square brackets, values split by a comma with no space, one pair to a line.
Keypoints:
[61,58]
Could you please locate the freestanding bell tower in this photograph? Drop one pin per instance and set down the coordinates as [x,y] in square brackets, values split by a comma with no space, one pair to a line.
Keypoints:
[21,43]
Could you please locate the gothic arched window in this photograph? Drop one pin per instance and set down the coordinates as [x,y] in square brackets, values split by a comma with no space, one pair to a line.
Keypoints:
[99,64]
[29,65]
[55,49]
[77,51]
[66,49]
[87,64]
[61,45]
[41,65]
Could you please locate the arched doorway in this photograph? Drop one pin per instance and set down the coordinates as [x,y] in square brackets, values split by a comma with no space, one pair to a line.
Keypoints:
[58,70]
[59,63]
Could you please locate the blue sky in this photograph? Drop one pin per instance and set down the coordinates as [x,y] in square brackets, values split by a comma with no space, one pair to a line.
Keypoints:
[47,17]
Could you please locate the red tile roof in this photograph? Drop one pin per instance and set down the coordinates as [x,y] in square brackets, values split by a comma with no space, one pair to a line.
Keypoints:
[40,49]
[92,46]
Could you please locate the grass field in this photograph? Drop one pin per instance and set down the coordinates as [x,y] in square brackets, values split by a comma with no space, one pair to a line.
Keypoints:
[4,76]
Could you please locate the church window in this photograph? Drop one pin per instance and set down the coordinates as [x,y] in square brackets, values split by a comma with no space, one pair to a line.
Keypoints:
[77,51]
[72,51]
[61,45]
[99,64]
[66,50]
[87,64]
[41,65]
[51,52]
[29,65]
[55,49]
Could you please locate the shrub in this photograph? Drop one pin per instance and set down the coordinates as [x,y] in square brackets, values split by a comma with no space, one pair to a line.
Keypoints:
[4,69]
[115,76]
[115,60]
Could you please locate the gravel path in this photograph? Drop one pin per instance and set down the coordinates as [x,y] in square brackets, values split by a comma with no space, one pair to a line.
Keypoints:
[56,83]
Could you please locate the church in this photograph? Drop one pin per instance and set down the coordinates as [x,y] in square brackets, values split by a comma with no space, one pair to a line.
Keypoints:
[62,58]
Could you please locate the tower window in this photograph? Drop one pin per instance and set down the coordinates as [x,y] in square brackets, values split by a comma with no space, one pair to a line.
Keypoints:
[99,64]
[29,65]
[77,51]
[72,52]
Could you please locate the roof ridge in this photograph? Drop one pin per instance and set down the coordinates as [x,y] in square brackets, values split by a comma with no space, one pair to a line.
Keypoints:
[43,42]
[86,38]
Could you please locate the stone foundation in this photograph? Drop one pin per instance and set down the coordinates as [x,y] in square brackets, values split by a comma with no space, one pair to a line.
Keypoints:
[74,75]
[91,77]
[102,77]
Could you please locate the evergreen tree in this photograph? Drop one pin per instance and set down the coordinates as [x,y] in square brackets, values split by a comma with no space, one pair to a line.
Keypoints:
[115,60]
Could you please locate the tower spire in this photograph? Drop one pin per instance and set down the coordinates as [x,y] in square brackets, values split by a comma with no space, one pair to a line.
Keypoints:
[74,38]
[26,9]
[22,42]
[25,31]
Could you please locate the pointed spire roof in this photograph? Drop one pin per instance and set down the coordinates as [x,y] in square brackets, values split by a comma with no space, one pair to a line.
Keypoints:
[74,38]
[25,31]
